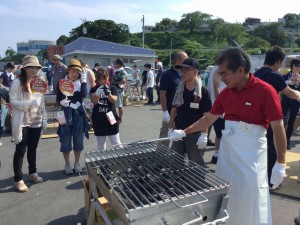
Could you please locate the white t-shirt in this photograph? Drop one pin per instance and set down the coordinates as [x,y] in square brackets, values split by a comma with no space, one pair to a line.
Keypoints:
[150,76]
[210,84]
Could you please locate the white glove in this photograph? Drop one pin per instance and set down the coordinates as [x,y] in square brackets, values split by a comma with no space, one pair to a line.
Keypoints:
[166,116]
[44,124]
[83,78]
[99,91]
[177,135]
[278,173]
[202,141]
[36,102]
[170,130]
[65,102]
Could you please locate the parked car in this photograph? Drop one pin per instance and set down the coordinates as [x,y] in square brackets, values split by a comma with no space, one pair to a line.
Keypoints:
[129,73]
[43,72]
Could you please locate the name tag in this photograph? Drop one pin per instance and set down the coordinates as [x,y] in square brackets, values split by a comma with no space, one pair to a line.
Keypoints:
[61,117]
[245,126]
[194,105]
[111,118]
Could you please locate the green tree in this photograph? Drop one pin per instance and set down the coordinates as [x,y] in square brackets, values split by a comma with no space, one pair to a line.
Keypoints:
[106,30]
[42,55]
[292,20]
[10,53]
[256,42]
[271,33]
[192,21]
[297,41]
[232,33]
[62,40]
[215,23]
[165,24]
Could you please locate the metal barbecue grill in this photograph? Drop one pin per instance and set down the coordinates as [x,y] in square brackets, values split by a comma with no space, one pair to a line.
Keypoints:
[148,183]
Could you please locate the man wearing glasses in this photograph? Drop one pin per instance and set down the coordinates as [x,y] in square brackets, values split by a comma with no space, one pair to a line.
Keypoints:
[250,105]
[191,101]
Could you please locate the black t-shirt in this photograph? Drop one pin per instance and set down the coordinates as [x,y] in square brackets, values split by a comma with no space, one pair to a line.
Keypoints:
[101,124]
[169,81]
[276,80]
[144,77]
[187,114]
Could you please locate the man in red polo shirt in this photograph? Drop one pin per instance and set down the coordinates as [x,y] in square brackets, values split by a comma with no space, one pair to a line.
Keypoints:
[249,105]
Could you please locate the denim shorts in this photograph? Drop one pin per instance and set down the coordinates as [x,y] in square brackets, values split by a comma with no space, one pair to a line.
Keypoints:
[66,138]
[119,102]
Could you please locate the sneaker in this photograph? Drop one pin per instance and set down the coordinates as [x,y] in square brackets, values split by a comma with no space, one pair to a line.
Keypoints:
[77,168]
[21,186]
[214,160]
[35,178]
[68,169]
[210,143]
[1,143]
[271,189]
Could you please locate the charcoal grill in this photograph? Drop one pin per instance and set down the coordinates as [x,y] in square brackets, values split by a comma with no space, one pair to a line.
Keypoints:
[147,183]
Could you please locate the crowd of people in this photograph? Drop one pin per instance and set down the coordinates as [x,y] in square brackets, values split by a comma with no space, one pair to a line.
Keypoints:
[96,100]
[247,113]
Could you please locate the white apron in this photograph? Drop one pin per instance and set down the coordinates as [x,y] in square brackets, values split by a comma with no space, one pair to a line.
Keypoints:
[243,162]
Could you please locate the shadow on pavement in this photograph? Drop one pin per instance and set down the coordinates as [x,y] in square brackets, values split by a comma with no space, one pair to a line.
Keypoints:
[7,186]
[71,219]
[75,186]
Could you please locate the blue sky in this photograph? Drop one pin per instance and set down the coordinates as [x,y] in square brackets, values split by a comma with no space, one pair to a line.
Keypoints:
[23,20]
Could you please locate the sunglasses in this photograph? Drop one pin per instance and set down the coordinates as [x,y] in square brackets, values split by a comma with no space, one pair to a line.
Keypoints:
[297,65]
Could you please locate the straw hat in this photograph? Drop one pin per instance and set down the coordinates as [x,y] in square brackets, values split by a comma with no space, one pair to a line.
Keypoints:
[74,64]
[30,60]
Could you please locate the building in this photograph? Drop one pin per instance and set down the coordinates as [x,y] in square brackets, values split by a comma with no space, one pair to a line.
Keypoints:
[252,21]
[54,50]
[33,47]
[93,51]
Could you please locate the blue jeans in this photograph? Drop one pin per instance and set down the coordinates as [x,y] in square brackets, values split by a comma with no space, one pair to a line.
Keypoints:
[67,134]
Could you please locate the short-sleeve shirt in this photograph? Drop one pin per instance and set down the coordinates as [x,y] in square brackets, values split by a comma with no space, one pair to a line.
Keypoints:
[187,114]
[119,75]
[294,84]
[268,75]
[256,103]
[169,81]
[101,124]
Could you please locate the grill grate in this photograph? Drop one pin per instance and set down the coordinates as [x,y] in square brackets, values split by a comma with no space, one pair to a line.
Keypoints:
[148,173]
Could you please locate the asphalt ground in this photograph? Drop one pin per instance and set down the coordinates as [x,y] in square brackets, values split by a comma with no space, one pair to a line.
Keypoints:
[59,200]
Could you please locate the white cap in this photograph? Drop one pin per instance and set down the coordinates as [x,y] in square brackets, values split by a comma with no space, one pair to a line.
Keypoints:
[159,64]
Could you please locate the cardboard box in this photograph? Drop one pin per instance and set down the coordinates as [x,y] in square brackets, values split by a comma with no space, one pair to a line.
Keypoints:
[87,198]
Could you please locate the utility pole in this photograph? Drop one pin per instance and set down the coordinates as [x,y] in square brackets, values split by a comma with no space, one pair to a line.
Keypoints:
[170,59]
[83,31]
[143,37]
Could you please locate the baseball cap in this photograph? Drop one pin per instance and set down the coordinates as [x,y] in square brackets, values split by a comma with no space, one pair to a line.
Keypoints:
[189,63]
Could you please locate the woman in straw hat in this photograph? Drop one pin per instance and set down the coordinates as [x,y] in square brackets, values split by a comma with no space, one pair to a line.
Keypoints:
[28,118]
[76,123]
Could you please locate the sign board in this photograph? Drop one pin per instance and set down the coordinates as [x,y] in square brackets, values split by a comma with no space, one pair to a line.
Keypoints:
[38,86]
[66,87]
